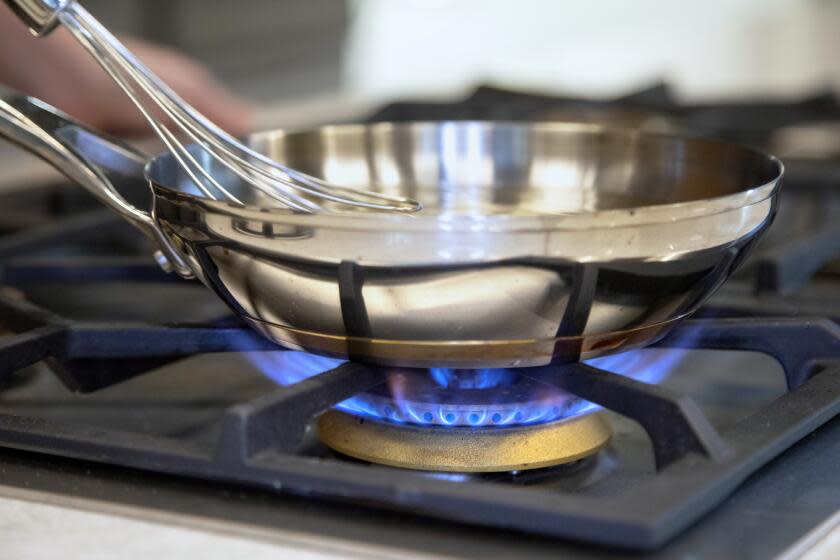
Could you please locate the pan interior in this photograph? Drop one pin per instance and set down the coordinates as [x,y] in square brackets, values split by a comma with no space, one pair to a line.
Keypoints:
[483,168]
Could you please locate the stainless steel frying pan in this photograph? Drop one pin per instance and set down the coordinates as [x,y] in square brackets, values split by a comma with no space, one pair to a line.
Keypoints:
[538,241]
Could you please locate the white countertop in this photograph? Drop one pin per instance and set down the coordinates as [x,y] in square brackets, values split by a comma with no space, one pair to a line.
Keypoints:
[36,525]
[823,543]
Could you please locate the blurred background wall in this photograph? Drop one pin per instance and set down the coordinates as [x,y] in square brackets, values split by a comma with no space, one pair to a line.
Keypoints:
[266,49]
[276,49]
[604,47]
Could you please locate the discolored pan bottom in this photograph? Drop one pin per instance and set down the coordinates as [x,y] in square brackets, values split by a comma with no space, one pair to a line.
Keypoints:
[464,353]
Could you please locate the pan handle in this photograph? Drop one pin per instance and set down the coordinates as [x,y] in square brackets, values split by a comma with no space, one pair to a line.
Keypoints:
[83,156]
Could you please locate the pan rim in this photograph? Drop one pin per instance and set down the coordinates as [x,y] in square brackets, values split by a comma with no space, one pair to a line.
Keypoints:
[572,221]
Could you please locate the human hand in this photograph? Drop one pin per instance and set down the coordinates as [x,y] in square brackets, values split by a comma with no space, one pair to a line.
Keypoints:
[59,71]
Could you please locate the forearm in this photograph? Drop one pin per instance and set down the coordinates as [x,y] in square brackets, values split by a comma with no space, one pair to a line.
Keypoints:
[12,36]
[58,70]
[25,61]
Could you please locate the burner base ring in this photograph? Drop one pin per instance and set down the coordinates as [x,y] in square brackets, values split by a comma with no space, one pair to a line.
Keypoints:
[462,449]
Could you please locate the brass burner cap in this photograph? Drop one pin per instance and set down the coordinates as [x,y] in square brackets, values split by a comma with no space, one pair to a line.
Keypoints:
[464,449]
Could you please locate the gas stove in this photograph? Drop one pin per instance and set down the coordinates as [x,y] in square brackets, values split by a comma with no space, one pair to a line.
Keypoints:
[720,440]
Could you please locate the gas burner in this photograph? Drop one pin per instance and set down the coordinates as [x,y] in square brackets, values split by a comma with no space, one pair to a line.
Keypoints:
[453,420]
[459,420]
[464,449]
[462,420]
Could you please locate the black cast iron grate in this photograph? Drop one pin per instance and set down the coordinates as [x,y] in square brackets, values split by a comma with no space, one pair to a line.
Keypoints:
[259,444]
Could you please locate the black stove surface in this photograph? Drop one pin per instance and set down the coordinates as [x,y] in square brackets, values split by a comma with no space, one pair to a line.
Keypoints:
[109,361]
[767,514]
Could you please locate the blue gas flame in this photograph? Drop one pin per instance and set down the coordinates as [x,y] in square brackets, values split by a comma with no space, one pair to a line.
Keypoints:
[479,379]
[452,397]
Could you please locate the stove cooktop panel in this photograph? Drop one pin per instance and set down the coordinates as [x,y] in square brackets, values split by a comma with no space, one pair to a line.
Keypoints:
[107,359]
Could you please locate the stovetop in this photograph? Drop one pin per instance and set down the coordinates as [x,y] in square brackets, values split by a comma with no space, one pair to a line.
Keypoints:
[116,377]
